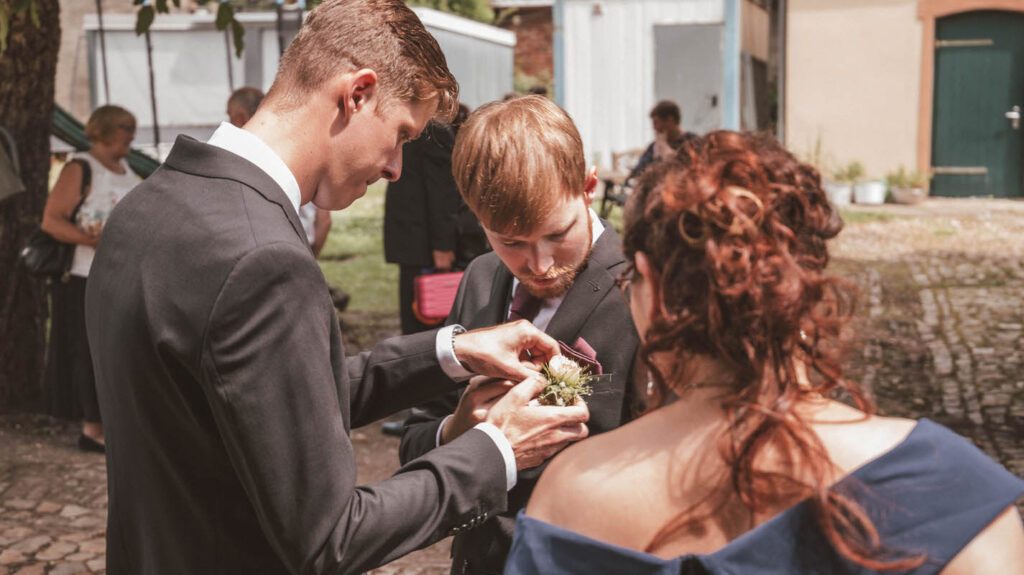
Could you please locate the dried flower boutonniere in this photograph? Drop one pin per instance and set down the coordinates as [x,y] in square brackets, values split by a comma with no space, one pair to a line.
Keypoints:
[567,382]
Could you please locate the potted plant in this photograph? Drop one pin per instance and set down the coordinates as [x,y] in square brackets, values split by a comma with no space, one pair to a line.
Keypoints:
[907,187]
[839,188]
[870,192]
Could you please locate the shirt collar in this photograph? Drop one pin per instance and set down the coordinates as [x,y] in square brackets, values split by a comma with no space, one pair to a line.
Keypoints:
[249,146]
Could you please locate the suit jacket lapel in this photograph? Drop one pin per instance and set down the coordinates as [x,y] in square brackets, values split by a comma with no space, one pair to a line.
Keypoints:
[501,295]
[592,285]
[194,157]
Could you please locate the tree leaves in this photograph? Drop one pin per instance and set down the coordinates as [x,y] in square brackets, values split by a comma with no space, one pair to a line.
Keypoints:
[144,20]
[10,8]
[225,14]
[238,36]
[474,9]
[225,19]
[147,14]
[5,26]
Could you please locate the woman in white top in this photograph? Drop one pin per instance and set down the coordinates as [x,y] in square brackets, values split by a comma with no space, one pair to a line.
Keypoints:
[69,374]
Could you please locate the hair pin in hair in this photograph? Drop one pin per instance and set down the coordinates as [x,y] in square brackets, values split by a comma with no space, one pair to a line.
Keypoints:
[739,220]
[694,241]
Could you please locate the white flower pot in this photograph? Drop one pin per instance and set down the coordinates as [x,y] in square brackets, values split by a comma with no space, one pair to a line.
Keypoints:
[838,194]
[908,195]
[871,193]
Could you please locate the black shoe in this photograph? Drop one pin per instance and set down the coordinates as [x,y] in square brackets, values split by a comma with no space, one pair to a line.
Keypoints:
[393,428]
[88,444]
[340,298]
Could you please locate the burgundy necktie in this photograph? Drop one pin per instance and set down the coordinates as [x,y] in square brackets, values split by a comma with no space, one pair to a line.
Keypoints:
[524,304]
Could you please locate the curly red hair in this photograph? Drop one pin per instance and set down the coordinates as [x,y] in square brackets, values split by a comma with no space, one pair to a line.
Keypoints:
[735,229]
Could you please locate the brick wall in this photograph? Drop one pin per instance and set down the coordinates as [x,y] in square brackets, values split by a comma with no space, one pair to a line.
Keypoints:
[533,29]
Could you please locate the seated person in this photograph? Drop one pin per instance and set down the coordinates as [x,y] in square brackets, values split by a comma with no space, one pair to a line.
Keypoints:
[746,462]
[519,167]
[666,119]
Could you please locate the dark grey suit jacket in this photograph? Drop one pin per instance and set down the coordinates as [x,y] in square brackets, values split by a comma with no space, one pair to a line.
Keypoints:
[227,401]
[593,309]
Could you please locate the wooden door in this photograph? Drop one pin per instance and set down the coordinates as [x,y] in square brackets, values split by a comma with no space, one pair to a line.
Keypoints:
[977,147]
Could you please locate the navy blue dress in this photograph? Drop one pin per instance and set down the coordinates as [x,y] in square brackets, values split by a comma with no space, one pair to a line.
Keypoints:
[931,495]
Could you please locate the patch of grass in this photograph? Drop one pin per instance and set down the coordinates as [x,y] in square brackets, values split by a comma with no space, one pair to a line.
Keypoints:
[353,258]
[852,217]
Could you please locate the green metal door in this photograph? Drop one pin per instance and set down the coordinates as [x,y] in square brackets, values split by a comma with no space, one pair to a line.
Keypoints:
[977,144]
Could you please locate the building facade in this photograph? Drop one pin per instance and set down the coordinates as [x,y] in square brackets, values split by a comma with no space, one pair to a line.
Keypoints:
[931,85]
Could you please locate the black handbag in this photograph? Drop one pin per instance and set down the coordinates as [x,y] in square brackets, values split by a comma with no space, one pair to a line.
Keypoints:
[43,255]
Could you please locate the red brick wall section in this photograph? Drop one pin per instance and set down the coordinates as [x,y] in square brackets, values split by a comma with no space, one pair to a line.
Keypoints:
[533,29]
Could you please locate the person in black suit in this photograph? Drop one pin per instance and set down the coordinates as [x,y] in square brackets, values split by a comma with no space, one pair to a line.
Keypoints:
[554,263]
[420,211]
[427,227]
[222,381]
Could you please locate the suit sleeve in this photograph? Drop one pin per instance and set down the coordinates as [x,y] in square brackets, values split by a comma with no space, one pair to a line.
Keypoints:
[396,374]
[420,434]
[268,378]
[442,196]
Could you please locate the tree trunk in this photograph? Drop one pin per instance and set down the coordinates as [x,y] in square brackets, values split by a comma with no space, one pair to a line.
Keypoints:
[27,72]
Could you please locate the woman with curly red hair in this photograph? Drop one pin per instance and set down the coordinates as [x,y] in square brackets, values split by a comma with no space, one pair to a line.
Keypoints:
[755,455]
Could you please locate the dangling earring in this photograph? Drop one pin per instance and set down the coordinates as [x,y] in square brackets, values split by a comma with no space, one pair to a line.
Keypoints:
[650,386]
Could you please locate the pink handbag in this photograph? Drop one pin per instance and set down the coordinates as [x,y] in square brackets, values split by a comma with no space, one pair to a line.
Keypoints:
[433,296]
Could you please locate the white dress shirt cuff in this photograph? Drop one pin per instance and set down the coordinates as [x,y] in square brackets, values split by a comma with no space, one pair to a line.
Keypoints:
[445,350]
[506,451]
[440,428]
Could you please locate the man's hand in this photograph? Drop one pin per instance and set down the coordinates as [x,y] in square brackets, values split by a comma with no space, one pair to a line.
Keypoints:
[536,432]
[476,401]
[513,350]
[443,260]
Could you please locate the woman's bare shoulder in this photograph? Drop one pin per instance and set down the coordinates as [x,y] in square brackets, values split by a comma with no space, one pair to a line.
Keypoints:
[566,478]
[585,474]
[853,438]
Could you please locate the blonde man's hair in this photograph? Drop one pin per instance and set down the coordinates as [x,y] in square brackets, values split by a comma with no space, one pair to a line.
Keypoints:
[383,35]
[514,160]
[104,122]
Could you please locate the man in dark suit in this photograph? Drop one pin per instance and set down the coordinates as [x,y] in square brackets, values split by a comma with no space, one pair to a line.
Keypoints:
[221,376]
[554,263]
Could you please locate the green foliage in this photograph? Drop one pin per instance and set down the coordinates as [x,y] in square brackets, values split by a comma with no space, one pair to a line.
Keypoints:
[8,10]
[353,257]
[144,20]
[225,13]
[523,83]
[225,19]
[853,172]
[5,25]
[854,217]
[902,178]
[479,10]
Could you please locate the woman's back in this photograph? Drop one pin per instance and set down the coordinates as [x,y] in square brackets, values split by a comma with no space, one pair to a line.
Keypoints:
[607,499]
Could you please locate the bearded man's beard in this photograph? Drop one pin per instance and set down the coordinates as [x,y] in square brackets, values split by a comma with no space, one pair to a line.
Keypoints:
[563,276]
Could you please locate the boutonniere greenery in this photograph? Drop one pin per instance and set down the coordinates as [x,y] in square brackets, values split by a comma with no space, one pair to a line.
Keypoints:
[567,382]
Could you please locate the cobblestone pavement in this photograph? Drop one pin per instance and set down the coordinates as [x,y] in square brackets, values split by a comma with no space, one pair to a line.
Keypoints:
[940,334]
